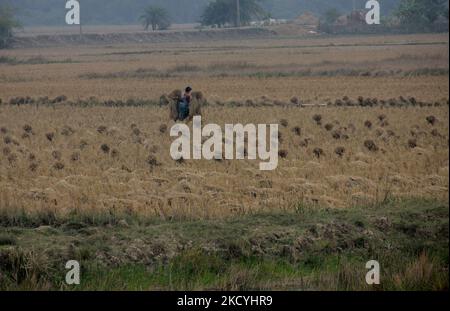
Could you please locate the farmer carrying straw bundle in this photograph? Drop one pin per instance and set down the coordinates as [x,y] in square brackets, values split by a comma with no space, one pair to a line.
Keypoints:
[185,106]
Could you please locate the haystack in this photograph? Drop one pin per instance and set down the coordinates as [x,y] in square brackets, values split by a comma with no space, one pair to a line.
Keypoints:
[198,100]
[173,99]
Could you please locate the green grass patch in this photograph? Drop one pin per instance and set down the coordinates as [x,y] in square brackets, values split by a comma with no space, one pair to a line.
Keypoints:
[309,248]
[37,60]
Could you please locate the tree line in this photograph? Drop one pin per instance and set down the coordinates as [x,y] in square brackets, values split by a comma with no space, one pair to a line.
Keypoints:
[218,13]
[221,13]
[409,15]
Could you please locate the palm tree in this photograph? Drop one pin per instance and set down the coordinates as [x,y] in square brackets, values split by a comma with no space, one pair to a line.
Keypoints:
[156,17]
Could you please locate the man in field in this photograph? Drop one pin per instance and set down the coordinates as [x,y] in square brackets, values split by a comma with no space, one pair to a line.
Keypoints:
[184,104]
[184,107]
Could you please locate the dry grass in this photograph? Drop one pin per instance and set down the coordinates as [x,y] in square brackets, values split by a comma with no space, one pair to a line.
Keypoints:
[93,167]
[309,69]
[60,160]
[117,160]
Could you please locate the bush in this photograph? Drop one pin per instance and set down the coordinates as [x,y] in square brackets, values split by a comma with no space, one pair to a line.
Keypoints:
[421,14]
[156,17]
[220,13]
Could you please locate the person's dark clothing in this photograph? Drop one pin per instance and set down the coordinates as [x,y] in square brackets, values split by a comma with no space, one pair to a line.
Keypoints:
[183,108]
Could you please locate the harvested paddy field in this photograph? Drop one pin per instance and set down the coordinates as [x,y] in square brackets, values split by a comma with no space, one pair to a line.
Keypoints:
[86,172]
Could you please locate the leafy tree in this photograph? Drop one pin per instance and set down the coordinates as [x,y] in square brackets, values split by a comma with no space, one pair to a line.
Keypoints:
[421,12]
[7,24]
[217,13]
[222,12]
[156,17]
[250,9]
[331,16]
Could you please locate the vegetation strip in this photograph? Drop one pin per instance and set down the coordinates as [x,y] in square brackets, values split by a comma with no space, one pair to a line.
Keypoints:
[311,248]
[361,101]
